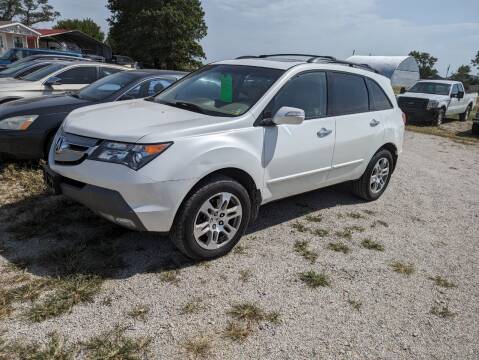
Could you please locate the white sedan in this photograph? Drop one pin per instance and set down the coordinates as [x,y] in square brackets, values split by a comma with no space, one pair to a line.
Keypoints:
[59,77]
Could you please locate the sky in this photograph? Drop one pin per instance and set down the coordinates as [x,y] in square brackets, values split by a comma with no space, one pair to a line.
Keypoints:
[449,30]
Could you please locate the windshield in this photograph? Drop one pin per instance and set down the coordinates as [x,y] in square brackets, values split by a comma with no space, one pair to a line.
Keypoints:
[105,87]
[40,74]
[431,88]
[221,90]
[11,70]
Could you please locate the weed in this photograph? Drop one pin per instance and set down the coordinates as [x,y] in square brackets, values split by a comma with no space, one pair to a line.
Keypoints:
[355,215]
[191,307]
[369,212]
[140,312]
[442,311]
[170,276]
[403,268]
[198,348]
[440,281]
[379,222]
[115,345]
[240,249]
[302,248]
[6,304]
[55,349]
[338,247]
[245,275]
[372,245]
[314,279]
[237,331]
[314,218]
[299,227]
[320,232]
[252,313]
[356,305]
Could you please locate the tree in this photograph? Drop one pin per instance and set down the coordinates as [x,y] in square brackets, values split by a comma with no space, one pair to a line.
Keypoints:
[87,26]
[28,12]
[158,33]
[426,64]
[475,61]
[463,74]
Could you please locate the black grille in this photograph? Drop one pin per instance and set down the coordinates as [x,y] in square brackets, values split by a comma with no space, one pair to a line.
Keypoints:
[407,103]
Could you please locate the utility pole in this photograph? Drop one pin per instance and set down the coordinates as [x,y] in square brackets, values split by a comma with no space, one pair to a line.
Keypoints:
[447,72]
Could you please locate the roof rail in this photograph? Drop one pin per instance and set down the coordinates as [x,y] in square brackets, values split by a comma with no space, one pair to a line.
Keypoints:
[313,59]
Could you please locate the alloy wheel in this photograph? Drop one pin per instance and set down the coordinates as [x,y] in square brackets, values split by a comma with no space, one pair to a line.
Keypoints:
[379,175]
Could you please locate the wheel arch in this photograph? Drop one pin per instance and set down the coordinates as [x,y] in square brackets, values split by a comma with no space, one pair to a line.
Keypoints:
[392,148]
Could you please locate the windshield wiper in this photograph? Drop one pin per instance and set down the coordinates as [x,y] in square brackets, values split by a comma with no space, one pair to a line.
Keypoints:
[188,106]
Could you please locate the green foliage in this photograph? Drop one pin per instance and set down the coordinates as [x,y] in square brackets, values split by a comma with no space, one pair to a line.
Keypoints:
[87,26]
[475,61]
[28,12]
[463,74]
[158,33]
[426,64]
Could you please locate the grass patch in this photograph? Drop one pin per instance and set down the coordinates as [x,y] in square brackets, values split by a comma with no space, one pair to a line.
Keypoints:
[27,178]
[198,348]
[379,222]
[314,218]
[245,275]
[459,137]
[252,313]
[372,245]
[191,307]
[237,331]
[139,312]
[6,304]
[170,276]
[320,232]
[440,281]
[67,293]
[355,304]
[314,279]
[300,227]
[442,311]
[240,250]
[355,215]
[302,248]
[338,247]
[347,232]
[54,349]
[369,212]
[115,345]
[403,268]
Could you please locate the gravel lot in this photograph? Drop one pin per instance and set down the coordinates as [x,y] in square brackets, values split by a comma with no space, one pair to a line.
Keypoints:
[428,218]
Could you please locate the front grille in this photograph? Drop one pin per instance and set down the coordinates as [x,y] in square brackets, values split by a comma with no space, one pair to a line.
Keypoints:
[71,149]
[408,103]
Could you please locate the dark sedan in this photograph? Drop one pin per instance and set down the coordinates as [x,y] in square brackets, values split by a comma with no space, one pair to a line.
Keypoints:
[27,126]
[23,69]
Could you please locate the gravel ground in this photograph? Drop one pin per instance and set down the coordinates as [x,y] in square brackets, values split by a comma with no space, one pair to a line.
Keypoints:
[428,217]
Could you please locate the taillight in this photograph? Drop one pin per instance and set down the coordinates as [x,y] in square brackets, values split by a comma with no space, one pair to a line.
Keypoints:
[404,118]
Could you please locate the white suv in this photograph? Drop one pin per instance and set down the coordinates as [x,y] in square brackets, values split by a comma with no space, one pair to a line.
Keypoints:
[198,159]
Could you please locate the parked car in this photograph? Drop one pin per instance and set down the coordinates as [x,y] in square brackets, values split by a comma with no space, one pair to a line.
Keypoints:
[59,77]
[27,126]
[198,159]
[434,100]
[15,54]
[475,124]
[123,60]
[23,69]
[45,58]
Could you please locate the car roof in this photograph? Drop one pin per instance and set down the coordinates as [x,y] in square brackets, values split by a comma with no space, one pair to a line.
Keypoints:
[153,72]
[448,82]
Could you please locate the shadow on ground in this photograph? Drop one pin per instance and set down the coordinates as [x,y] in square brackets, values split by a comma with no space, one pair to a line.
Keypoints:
[51,236]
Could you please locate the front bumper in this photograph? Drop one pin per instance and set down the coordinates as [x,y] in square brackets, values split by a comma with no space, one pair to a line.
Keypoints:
[420,115]
[22,145]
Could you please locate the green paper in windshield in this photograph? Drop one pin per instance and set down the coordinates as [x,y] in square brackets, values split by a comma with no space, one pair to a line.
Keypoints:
[226,88]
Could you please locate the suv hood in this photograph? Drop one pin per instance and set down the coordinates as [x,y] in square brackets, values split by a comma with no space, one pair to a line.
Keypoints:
[141,121]
[425,96]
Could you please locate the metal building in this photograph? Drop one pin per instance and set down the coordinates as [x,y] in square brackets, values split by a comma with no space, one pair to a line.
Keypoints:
[402,70]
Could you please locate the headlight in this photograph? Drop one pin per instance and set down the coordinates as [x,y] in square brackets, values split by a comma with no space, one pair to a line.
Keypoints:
[135,156]
[18,122]
[432,104]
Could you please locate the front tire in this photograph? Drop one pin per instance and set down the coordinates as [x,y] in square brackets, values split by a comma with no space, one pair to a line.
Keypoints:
[475,128]
[213,219]
[441,114]
[376,178]
[465,115]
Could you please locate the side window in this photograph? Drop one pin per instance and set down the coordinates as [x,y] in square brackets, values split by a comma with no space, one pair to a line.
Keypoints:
[32,69]
[105,71]
[378,100]
[455,89]
[347,94]
[305,91]
[78,75]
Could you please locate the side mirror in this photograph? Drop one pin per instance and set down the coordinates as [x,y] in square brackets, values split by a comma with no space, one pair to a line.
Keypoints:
[460,94]
[53,81]
[403,90]
[289,116]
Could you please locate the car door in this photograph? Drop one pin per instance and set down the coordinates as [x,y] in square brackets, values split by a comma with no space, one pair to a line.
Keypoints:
[297,158]
[454,103]
[359,132]
[74,78]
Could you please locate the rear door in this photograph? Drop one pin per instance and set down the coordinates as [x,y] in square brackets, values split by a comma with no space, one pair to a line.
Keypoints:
[297,158]
[454,104]
[359,132]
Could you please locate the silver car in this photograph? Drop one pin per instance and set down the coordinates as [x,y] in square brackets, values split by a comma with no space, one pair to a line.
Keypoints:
[59,77]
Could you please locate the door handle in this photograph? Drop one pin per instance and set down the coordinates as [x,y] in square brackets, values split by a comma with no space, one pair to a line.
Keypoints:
[324,132]
[374,123]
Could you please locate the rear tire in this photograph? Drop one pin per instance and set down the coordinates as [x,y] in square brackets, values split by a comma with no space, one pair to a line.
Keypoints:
[376,178]
[205,228]
[465,115]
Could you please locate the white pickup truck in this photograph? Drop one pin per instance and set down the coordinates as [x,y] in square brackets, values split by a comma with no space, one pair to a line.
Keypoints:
[435,100]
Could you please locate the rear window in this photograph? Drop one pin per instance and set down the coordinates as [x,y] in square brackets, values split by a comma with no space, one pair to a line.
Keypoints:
[378,100]
[347,94]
